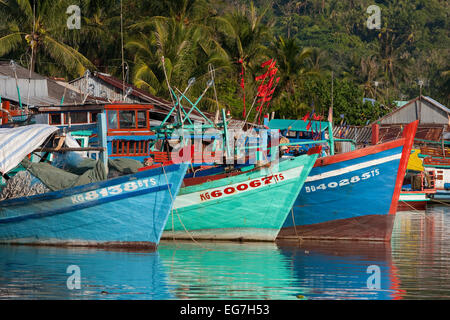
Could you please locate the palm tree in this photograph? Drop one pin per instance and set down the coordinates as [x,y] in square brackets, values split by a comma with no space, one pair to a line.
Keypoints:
[99,38]
[39,31]
[369,74]
[292,63]
[187,49]
[318,60]
[244,35]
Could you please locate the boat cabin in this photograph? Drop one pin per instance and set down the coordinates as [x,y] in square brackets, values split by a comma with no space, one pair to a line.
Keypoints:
[302,135]
[128,130]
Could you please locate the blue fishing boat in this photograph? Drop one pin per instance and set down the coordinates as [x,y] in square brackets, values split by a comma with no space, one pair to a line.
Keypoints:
[130,210]
[352,195]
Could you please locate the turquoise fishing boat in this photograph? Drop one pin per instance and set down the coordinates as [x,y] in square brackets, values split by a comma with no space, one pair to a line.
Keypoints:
[250,206]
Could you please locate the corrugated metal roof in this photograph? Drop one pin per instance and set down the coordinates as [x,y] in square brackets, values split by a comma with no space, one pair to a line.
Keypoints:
[22,73]
[82,83]
[114,88]
[35,90]
[424,132]
[437,104]
[135,91]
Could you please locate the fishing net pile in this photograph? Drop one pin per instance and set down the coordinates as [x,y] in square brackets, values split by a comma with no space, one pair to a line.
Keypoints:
[23,184]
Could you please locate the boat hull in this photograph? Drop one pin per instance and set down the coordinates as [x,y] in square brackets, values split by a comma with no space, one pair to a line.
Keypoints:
[129,211]
[351,196]
[410,201]
[251,206]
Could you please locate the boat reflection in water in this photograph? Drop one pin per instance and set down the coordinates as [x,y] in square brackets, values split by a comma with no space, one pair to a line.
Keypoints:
[414,265]
[41,273]
[310,270]
[421,251]
[227,270]
[343,269]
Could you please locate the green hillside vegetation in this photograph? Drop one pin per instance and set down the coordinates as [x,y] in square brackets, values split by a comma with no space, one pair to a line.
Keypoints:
[313,42]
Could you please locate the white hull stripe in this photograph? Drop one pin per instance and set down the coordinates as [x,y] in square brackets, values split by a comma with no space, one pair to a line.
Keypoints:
[237,188]
[354,167]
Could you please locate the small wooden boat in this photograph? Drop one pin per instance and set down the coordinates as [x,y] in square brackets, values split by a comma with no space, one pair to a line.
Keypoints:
[418,193]
[441,168]
[249,206]
[413,200]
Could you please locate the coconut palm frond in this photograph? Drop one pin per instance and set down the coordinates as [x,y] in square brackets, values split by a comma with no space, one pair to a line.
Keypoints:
[10,42]
[66,56]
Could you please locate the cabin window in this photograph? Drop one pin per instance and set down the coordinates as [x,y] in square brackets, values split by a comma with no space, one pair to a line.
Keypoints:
[76,117]
[93,117]
[127,119]
[112,119]
[55,119]
[130,147]
[142,119]
[305,135]
[291,134]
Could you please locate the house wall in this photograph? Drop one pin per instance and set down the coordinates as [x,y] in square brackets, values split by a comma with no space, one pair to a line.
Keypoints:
[98,88]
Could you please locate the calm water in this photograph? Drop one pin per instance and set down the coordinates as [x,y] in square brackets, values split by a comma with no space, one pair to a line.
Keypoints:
[415,265]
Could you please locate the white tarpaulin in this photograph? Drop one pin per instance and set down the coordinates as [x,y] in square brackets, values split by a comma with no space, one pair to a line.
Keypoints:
[17,143]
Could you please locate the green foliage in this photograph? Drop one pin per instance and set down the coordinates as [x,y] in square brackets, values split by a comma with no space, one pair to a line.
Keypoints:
[32,32]
[309,39]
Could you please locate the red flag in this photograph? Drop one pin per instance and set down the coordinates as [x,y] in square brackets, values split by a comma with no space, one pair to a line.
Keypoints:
[265,89]
[306,117]
[263,76]
[266,63]
[273,71]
